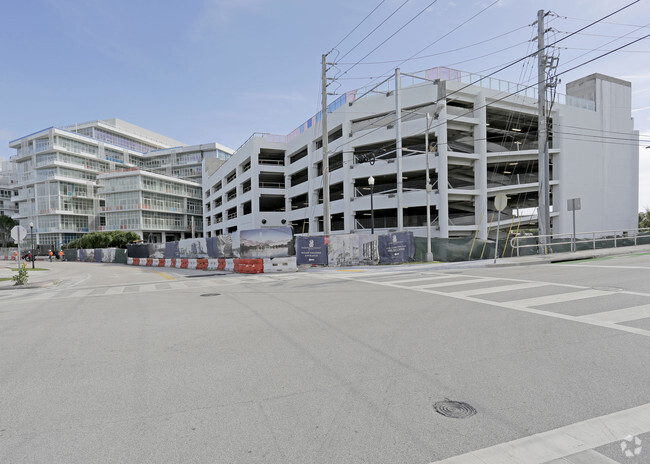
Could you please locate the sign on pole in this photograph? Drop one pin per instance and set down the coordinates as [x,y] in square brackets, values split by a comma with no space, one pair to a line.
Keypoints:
[573,205]
[18,233]
[500,203]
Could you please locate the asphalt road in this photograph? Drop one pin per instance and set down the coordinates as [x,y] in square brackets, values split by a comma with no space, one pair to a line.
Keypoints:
[135,365]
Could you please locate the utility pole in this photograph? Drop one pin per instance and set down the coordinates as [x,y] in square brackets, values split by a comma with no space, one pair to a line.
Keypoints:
[398,147]
[326,161]
[429,256]
[543,211]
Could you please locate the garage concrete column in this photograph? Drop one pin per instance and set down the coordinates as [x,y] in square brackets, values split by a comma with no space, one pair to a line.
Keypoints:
[480,167]
[441,134]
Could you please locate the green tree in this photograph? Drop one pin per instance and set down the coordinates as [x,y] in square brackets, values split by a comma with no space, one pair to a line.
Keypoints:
[6,224]
[644,219]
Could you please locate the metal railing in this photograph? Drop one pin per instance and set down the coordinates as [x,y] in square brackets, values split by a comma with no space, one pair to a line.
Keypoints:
[525,245]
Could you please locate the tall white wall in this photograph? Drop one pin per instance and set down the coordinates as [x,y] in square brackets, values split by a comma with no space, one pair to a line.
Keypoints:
[596,166]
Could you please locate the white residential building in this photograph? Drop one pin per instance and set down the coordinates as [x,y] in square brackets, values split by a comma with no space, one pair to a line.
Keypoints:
[56,172]
[8,206]
[158,208]
[483,140]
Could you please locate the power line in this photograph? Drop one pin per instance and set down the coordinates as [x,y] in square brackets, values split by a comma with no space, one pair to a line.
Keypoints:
[441,53]
[377,27]
[604,22]
[442,37]
[356,27]
[507,95]
[390,36]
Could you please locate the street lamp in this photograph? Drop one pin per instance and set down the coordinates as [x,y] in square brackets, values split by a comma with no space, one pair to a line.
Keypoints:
[31,231]
[371,182]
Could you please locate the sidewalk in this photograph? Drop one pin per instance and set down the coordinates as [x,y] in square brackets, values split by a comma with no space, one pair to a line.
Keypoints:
[37,279]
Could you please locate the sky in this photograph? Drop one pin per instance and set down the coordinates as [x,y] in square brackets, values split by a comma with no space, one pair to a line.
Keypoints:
[204,71]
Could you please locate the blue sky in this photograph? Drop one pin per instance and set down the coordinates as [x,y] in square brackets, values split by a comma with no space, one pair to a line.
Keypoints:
[219,70]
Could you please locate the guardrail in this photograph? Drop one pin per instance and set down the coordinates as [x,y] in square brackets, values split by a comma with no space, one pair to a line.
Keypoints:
[561,243]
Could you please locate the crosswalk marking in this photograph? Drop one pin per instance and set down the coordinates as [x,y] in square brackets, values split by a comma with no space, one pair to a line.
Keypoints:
[585,457]
[432,277]
[114,291]
[524,305]
[621,315]
[559,298]
[459,282]
[78,293]
[564,441]
[169,285]
[499,289]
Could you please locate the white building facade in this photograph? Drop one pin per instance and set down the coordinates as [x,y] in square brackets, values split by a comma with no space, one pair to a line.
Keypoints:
[158,208]
[56,172]
[482,141]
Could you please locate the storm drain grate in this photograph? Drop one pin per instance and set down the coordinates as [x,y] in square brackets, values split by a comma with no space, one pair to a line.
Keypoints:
[454,409]
[210,294]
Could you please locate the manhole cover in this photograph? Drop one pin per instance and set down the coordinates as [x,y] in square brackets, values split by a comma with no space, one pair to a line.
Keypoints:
[454,409]
[211,294]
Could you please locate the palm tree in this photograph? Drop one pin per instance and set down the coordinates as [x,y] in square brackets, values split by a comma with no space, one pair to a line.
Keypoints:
[6,224]
[644,219]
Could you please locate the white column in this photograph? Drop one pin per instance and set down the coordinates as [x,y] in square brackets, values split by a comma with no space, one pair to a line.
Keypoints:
[480,167]
[441,133]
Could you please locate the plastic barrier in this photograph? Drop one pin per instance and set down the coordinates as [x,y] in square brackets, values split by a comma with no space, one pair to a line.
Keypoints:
[280,265]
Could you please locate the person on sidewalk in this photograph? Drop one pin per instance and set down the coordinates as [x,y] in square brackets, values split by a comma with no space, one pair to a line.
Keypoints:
[50,255]
[61,255]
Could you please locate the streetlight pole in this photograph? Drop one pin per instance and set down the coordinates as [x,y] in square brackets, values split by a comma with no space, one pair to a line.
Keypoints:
[31,231]
[429,257]
[371,182]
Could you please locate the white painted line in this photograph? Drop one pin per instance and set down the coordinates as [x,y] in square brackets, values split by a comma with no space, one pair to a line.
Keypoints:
[559,298]
[608,267]
[621,315]
[433,277]
[114,291]
[562,442]
[509,305]
[502,288]
[369,275]
[147,288]
[586,457]
[449,284]
[80,293]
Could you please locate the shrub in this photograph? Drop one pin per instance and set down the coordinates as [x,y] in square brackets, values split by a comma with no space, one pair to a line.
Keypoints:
[22,276]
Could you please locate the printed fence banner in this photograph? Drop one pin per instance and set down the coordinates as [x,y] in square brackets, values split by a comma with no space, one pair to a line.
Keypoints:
[138,250]
[120,256]
[368,249]
[235,244]
[219,246]
[311,250]
[81,254]
[108,255]
[342,250]
[89,255]
[193,248]
[157,250]
[397,247]
[71,254]
[224,246]
[266,243]
[171,250]
[98,255]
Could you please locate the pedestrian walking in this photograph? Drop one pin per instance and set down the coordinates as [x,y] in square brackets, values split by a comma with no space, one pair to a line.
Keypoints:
[50,255]
[61,255]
